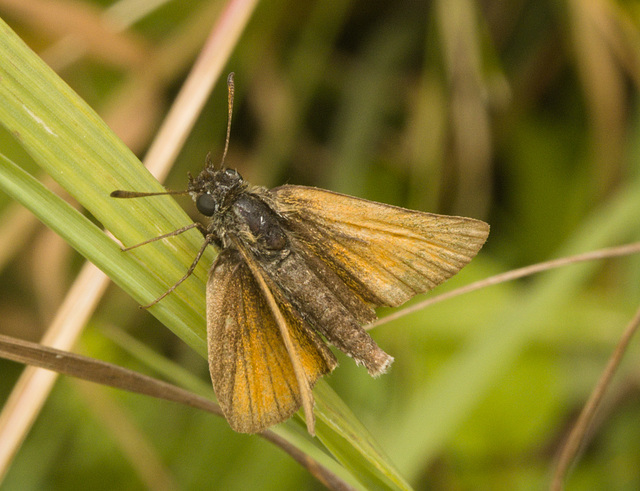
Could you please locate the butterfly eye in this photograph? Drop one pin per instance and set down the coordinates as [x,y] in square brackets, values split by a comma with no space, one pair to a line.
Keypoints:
[206,204]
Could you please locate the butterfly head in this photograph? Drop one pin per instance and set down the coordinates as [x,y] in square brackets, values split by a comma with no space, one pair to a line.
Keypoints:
[214,190]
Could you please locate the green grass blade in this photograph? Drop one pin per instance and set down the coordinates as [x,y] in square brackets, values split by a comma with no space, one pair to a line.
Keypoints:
[350,442]
[71,143]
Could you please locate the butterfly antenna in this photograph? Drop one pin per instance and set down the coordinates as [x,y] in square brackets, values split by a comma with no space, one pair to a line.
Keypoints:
[231,91]
[119,193]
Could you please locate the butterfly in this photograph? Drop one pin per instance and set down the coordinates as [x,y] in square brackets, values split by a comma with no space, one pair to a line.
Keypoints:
[299,268]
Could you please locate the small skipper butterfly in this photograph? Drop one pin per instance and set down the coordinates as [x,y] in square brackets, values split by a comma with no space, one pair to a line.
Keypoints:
[297,266]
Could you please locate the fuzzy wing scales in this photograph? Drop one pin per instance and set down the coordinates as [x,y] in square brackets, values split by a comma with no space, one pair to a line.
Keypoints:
[385,253]
[252,374]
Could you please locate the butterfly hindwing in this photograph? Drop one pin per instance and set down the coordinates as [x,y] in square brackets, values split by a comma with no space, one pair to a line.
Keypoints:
[252,372]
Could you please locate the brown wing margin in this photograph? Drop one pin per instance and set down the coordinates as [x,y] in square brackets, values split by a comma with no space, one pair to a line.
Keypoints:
[385,253]
[251,370]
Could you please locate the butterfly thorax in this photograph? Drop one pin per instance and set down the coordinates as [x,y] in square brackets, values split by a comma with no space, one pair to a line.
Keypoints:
[238,211]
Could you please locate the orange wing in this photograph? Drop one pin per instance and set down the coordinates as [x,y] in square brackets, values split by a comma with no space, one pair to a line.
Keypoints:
[385,253]
[252,373]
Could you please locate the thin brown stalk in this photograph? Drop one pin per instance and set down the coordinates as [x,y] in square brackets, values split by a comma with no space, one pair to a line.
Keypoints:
[92,370]
[104,373]
[32,388]
[576,439]
[609,252]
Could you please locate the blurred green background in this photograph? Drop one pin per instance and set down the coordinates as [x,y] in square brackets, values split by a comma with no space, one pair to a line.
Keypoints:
[522,113]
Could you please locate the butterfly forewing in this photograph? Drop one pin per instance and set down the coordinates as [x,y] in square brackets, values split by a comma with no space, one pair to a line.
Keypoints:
[385,253]
[252,373]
